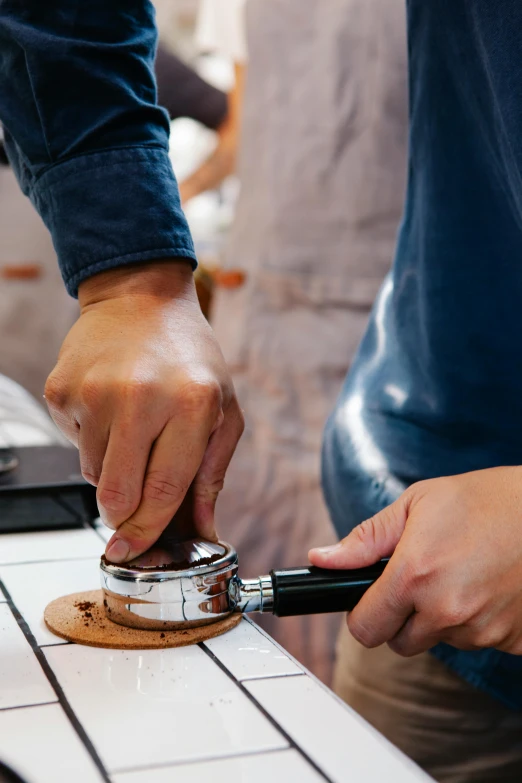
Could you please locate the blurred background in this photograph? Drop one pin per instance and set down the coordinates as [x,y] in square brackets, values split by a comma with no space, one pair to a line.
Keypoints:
[288,139]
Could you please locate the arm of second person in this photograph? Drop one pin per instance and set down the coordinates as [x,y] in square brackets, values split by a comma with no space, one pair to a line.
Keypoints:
[140,385]
[221,163]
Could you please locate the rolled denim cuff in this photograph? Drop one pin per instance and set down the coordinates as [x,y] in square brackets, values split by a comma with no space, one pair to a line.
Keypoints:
[112,208]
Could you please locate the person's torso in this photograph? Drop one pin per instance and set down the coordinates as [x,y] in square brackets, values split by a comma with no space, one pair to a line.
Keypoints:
[436,387]
[439,371]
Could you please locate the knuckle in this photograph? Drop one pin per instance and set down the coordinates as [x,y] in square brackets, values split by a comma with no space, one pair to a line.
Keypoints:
[113,498]
[200,398]
[90,476]
[401,647]
[137,531]
[419,569]
[162,488]
[488,638]
[490,634]
[56,394]
[367,531]
[90,393]
[360,632]
[453,613]
[134,391]
[206,490]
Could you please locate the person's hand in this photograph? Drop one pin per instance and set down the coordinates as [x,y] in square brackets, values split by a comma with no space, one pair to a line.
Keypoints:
[456,571]
[141,387]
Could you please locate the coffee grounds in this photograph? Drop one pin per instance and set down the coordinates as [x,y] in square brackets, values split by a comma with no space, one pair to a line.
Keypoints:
[179,565]
[84,606]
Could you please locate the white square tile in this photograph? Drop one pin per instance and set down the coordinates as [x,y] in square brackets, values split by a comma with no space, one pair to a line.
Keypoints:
[282,766]
[22,680]
[338,740]
[40,744]
[49,545]
[102,530]
[158,706]
[247,653]
[33,586]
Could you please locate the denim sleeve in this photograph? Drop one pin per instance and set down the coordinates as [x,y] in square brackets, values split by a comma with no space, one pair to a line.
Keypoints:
[84,133]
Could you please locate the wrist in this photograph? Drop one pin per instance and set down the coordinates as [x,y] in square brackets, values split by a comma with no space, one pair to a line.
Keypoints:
[165,279]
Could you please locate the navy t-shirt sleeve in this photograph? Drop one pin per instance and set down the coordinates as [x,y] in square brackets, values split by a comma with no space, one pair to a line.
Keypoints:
[184,93]
[83,130]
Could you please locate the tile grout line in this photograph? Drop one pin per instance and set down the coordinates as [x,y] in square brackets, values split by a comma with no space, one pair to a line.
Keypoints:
[25,706]
[201,760]
[53,680]
[323,686]
[264,712]
[258,677]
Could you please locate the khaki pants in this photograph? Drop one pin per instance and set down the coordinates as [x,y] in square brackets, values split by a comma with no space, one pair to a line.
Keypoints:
[455,732]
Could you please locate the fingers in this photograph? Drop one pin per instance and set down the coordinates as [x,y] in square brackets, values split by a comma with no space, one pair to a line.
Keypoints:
[388,604]
[211,475]
[384,608]
[124,464]
[375,538]
[415,637]
[172,466]
[92,444]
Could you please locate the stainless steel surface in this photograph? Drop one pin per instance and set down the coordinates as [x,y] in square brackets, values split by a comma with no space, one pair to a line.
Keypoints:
[177,588]
[155,593]
[252,595]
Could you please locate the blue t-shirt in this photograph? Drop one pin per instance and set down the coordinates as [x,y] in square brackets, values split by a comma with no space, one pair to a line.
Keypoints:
[436,387]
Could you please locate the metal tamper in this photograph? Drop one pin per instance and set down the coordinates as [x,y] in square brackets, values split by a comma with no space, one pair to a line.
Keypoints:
[191,583]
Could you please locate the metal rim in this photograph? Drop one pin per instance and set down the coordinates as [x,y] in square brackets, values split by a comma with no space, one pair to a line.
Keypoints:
[161,575]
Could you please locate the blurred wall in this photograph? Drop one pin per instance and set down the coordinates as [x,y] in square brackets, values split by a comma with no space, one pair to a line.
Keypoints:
[35,313]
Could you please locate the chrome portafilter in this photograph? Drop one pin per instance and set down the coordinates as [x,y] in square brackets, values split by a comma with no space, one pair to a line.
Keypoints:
[186,584]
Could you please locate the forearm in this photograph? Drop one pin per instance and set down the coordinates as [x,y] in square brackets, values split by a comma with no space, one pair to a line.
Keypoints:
[222,161]
[210,174]
[84,133]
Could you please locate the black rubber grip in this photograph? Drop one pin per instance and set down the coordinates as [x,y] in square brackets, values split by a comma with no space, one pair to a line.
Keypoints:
[311,590]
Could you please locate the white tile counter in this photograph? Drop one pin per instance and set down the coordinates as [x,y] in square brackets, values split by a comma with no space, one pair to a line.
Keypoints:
[236,708]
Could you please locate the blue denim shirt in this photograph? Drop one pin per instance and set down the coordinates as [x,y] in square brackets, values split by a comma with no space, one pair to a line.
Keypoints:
[436,387]
[84,133]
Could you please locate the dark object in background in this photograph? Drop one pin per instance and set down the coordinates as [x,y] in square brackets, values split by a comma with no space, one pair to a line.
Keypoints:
[185,94]
[46,491]
[4,161]
[8,776]
[8,461]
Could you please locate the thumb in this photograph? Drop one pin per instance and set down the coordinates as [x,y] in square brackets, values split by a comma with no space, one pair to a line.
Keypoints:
[367,543]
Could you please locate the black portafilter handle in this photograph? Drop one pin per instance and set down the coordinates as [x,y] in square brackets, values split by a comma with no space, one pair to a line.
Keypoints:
[312,590]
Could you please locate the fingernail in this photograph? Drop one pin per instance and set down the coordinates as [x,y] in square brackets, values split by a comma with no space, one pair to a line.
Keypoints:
[118,551]
[328,550]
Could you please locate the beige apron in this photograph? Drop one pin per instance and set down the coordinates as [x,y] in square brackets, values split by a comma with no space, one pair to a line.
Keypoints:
[322,167]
